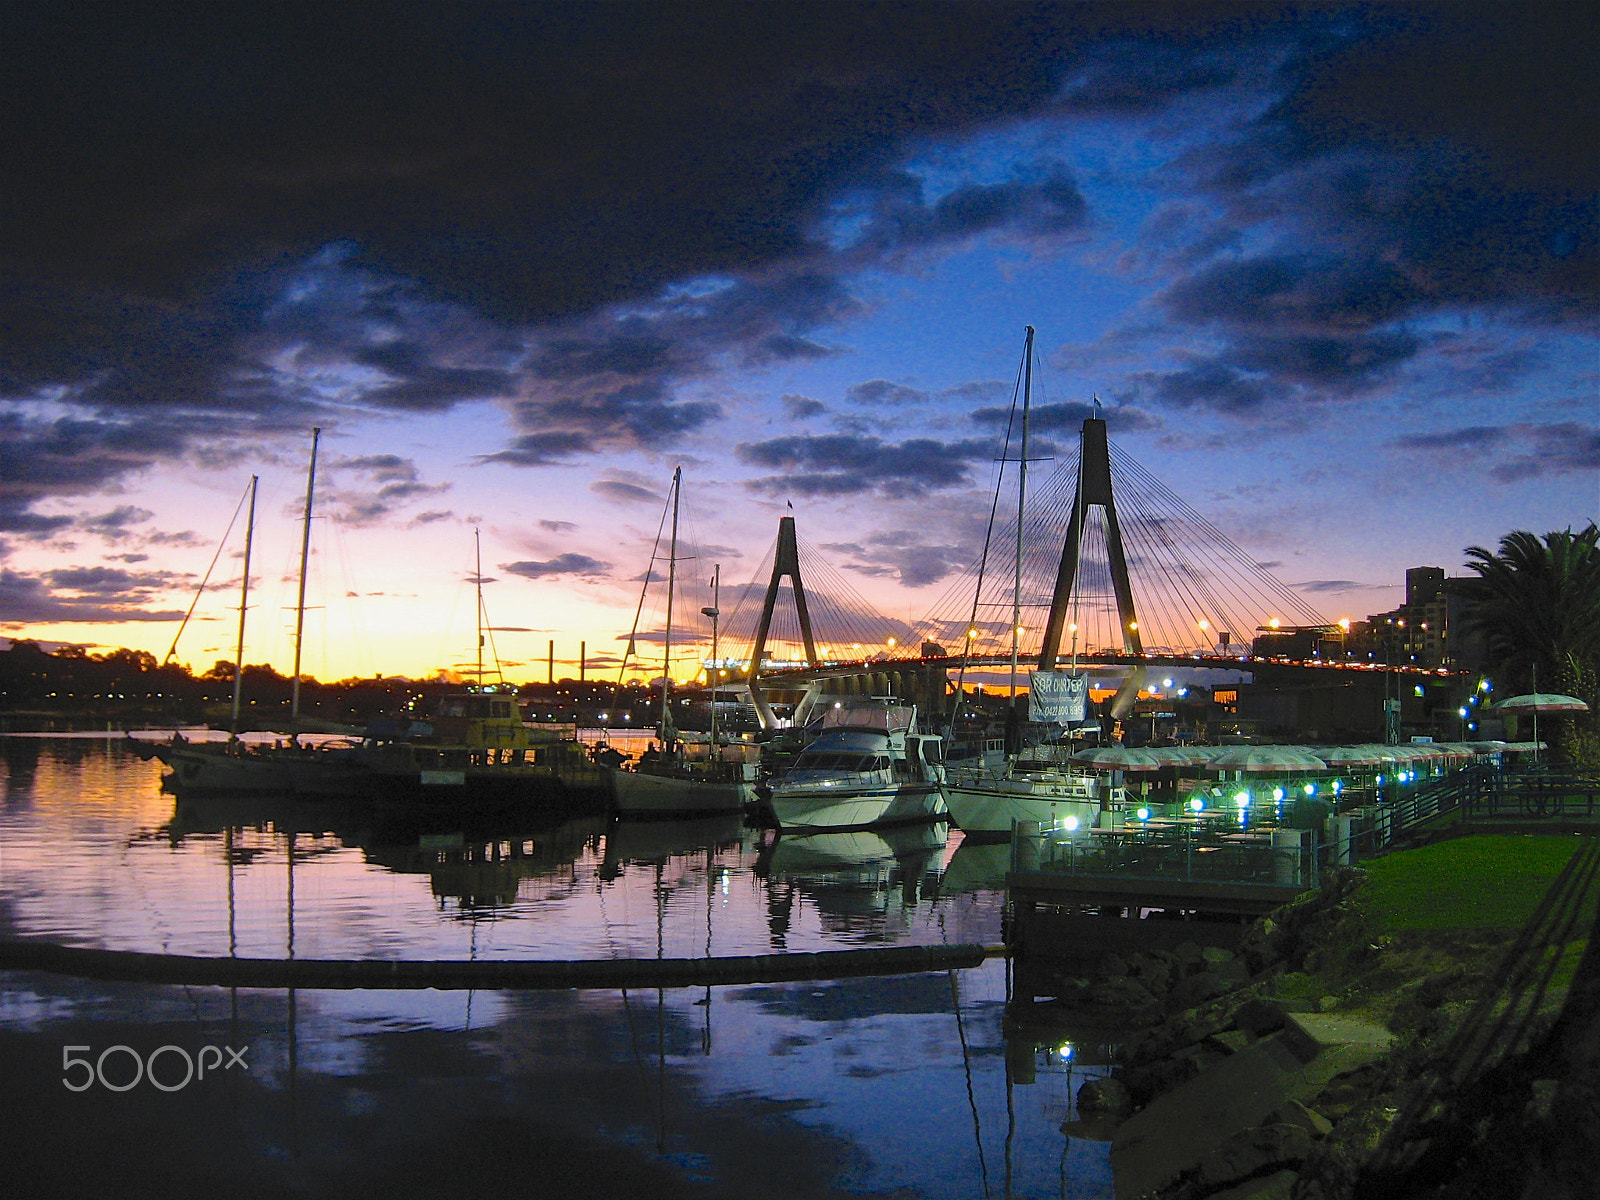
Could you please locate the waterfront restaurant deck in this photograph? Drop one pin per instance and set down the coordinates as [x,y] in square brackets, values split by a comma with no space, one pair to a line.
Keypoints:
[1248,862]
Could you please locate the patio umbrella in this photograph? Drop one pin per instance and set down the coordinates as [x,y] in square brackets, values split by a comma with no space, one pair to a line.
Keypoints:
[1353,756]
[1118,758]
[1268,759]
[1180,756]
[1540,702]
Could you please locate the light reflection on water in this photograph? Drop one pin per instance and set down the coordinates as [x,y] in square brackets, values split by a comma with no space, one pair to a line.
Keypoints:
[902,1084]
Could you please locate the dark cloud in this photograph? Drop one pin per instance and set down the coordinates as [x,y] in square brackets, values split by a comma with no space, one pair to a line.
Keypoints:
[557,526]
[1043,200]
[901,555]
[1333,586]
[229,224]
[1206,384]
[800,408]
[86,594]
[846,464]
[1069,416]
[562,564]
[881,391]
[115,524]
[623,492]
[1515,452]
[1293,294]
[542,449]
[398,483]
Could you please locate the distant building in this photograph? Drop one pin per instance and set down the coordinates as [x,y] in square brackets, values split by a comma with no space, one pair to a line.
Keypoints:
[1425,631]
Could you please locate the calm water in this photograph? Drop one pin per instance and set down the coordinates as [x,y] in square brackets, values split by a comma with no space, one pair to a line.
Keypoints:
[904,1086]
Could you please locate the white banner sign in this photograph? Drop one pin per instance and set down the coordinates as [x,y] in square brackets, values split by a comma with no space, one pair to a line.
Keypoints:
[1057,697]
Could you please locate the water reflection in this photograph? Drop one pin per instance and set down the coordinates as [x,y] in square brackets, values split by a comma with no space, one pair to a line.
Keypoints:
[918,1085]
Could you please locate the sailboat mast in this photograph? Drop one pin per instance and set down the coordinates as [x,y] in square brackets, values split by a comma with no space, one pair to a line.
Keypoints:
[477,579]
[672,579]
[714,612]
[244,603]
[1022,499]
[305,554]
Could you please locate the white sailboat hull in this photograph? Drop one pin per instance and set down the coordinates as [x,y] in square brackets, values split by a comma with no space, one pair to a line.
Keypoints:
[991,811]
[641,793]
[800,807]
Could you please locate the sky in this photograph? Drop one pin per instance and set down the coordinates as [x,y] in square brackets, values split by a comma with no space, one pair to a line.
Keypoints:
[1330,270]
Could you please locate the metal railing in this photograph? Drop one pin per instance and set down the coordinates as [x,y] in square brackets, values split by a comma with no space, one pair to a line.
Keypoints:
[1219,850]
[1158,851]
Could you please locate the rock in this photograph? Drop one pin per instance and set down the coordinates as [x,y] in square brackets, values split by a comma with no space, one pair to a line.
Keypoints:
[1153,1079]
[1201,1055]
[1176,1032]
[1252,1153]
[1277,1186]
[1542,1097]
[1102,1098]
[1197,989]
[1292,1112]
[1120,991]
[1151,971]
[1230,1041]
[1113,964]
[1259,1017]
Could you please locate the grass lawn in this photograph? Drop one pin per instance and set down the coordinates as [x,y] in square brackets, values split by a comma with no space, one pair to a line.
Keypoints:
[1490,881]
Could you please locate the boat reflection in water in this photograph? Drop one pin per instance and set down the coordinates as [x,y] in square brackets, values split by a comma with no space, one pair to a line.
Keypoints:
[672,1092]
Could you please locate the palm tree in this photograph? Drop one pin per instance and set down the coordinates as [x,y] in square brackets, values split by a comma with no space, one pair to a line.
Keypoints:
[1537,602]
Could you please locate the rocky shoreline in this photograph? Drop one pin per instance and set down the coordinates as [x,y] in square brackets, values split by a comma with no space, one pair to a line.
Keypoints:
[1319,1062]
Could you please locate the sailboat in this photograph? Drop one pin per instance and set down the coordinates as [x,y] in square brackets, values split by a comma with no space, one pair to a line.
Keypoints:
[680,779]
[235,766]
[1037,783]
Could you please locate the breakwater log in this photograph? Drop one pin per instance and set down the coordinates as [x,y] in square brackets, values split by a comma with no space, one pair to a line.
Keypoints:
[451,974]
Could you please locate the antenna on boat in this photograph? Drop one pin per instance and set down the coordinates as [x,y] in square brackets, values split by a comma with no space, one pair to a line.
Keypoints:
[244,603]
[305,553]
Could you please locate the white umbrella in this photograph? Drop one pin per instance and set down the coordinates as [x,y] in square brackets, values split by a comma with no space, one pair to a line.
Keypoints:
[1119,758]
[1353,756]
[1180,756]
[1267,759]
[1540,702]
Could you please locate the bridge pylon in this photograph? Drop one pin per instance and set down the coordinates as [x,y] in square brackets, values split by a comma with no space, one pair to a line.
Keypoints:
[785,562]
[1094,488]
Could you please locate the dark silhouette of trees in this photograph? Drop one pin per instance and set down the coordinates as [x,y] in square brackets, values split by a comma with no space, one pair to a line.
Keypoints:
[1536,603]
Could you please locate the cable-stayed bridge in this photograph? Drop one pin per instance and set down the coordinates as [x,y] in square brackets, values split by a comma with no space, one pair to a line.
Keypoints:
[1099,564]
